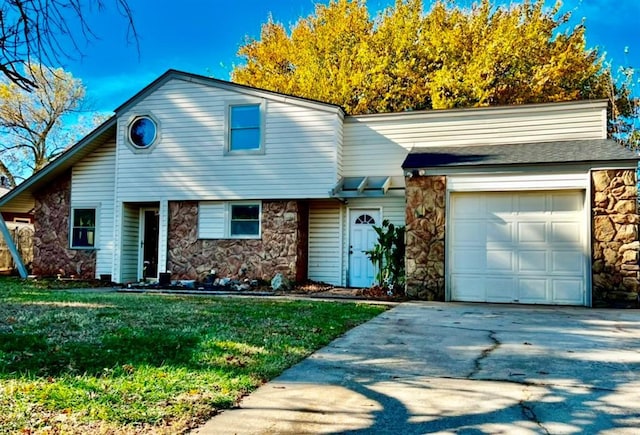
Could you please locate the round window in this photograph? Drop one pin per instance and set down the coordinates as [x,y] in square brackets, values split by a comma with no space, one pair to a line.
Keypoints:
[142,131]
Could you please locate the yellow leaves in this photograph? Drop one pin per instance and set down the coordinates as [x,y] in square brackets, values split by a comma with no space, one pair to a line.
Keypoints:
[408,59]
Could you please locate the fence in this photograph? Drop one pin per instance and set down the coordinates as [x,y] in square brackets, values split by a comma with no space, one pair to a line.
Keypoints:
[23,238]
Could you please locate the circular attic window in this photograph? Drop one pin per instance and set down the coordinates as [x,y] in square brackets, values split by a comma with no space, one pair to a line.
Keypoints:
[143,131]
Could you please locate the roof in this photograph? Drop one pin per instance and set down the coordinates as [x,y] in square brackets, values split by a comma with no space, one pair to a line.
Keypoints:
[575,151]
[223,84]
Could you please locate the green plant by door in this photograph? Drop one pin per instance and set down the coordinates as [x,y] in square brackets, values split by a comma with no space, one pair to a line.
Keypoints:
[387,255]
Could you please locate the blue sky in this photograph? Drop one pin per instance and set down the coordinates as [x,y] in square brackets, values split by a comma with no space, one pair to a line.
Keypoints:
[203,37]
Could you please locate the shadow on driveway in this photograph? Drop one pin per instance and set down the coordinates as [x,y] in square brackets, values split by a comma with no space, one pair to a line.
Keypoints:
[459,368]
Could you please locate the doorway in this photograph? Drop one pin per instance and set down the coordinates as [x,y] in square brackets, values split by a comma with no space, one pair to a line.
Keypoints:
[362,238]
[149,238]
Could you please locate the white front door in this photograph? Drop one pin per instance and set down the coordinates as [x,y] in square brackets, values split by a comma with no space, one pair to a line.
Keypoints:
[362,237]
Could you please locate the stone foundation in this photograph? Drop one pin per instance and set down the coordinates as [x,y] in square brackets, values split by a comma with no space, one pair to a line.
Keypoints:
[615,238]
[282,248]
[51,253]
[425,226]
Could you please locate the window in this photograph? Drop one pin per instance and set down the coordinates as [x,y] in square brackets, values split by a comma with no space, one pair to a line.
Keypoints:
[83,228]
[229,220]
[245,220]
[245,128]
[143,131]
[365,219]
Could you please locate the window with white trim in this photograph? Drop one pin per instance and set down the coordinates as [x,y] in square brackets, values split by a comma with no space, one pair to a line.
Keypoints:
[245,128]
[244,220]
[83,228]
[229,220]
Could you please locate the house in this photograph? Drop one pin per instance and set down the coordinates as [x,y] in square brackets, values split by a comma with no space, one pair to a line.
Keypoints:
[526,204]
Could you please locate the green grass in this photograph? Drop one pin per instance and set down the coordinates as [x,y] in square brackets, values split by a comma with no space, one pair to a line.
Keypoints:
[79,362]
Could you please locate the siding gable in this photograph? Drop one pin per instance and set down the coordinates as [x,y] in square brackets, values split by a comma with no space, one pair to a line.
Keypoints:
[189,161]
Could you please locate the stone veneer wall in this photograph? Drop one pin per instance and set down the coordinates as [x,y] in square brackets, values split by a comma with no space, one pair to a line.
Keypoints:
[615,238]
[284,239]
[51,253]
[425,226]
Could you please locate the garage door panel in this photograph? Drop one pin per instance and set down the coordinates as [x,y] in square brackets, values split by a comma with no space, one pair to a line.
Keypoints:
[468,206]
[532,203]
[566,202]
[526,247]
[532,261]
[499,231]
[532,232]
[532,290]
[500,260]
[469,233]
[566,232]
[568,262]
[499,288]
[497,206]
[469,260]
[468,288]
[568,291]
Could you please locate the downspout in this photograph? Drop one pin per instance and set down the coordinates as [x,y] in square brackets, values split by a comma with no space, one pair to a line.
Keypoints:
[12,248]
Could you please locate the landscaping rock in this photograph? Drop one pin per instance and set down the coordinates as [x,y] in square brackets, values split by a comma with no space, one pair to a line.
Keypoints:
[281,283]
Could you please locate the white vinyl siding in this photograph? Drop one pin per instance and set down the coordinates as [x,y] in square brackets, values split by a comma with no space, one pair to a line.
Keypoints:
[189,162]
[325,223]
[92,185]
[211,220]
[378,144]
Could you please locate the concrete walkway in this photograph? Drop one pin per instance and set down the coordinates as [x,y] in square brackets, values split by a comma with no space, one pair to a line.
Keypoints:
[459,368]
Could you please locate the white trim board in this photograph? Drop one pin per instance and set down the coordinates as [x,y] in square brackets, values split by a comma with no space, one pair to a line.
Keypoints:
[503,182]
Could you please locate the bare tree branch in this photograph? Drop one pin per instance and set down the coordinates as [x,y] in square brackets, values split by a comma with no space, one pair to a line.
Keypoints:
[43,31]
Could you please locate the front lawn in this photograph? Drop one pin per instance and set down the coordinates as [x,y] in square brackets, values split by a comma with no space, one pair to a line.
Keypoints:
[97,362]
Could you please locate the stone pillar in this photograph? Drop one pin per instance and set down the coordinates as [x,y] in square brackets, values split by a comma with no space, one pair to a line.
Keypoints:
[51,252]
[425,233]
[615,243]
[281,249]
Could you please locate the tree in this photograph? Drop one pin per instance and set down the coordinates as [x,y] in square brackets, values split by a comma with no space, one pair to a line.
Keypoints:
[624,107]
[31,122]
[41,30]
[405,59]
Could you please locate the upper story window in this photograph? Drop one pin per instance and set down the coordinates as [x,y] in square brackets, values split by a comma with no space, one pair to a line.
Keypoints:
[143,131]
[245,128]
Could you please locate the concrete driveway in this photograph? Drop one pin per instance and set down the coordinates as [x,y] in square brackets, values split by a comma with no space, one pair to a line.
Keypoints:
[459,368]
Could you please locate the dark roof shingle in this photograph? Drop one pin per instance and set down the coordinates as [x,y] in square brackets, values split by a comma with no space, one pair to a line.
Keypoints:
[575,151]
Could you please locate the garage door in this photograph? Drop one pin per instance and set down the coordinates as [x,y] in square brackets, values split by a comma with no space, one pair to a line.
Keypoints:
[517,247]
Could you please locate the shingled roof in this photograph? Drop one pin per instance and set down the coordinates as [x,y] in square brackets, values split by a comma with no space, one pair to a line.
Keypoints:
[575,151]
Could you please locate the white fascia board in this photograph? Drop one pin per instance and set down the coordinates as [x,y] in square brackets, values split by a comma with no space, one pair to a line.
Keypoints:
[516,182]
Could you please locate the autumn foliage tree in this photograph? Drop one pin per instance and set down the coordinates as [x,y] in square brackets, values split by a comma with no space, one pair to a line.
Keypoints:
[32,132]
[406,59]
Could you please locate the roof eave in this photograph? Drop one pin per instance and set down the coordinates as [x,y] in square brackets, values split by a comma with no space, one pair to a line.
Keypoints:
[222,84]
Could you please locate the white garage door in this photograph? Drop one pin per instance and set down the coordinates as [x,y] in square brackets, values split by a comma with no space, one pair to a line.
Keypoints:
[517,247]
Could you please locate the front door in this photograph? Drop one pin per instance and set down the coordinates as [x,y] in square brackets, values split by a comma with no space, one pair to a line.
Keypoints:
[362,237]
[149,232]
